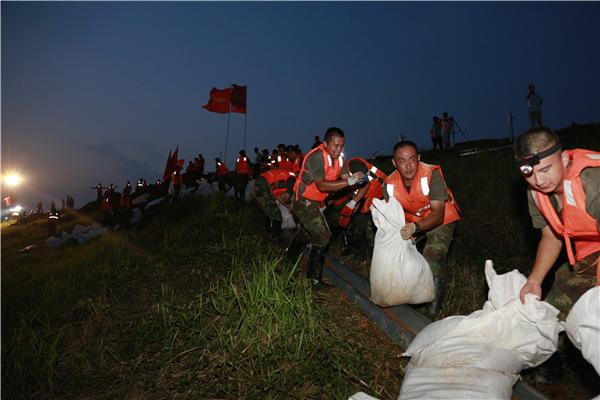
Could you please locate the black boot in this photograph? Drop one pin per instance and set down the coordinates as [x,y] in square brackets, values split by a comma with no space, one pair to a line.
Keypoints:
[434,308]
[316,269]
[276,228]
[268,224]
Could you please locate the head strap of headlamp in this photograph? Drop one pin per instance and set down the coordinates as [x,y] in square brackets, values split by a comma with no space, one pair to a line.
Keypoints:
[529,161]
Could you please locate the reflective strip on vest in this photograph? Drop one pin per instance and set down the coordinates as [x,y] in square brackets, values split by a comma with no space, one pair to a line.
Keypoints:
[593,156]
[425,186]
[329,160]
[53,217]
[569,196]
[341,160]
[390,190]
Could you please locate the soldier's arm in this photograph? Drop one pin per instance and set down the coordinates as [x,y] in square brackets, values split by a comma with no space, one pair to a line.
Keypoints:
[435,217]
[547,252]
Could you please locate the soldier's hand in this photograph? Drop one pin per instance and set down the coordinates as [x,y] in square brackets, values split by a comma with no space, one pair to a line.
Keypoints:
[356,178]
[408,231]
[530,287]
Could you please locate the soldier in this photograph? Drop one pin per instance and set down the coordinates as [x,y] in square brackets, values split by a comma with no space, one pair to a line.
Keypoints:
[323,171]
[222,173]
[563,200]
[273,187]
[40,208]
[52,220]
[99,193]
[359,210]
[242,175]
[429,208]
[564,188]
[295,158]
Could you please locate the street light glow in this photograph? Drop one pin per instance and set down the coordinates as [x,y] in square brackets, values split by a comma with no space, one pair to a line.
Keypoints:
[12,179]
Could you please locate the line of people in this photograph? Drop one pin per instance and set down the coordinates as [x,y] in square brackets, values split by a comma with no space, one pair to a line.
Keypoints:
[330,194]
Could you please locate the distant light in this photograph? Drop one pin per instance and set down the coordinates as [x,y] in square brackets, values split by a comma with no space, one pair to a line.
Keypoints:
[12,179]
[16,209]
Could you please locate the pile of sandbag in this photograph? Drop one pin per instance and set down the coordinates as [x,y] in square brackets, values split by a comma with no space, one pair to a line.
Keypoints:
[399,273]
[583,326]
[80,234]
[481,355]
[205,188]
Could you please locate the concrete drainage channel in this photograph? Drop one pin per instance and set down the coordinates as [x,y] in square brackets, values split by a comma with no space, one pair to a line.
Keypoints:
[401,323]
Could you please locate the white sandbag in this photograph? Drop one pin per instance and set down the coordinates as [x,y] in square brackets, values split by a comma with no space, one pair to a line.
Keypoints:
[583,326]
[154,202]
[480,356]
[249,190]
[287,218]
[361,396]
[205,188]
[142,198]
[399,273]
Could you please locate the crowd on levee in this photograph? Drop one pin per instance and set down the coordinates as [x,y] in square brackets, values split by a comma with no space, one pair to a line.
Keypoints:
[327,194]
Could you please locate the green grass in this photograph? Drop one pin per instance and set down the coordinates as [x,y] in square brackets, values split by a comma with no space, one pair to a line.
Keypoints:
[195,303]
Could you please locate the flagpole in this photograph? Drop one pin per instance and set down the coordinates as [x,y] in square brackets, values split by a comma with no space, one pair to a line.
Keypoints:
[227,136]
[245,121]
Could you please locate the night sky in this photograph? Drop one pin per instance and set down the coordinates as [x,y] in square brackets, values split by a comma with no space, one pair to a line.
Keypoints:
[99,92]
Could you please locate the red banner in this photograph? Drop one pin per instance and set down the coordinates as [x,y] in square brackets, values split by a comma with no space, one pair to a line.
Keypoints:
[219,101]
[238,99]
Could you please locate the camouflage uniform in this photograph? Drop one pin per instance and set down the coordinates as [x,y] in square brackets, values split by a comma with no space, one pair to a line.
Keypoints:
[240,183]
[435,250]
[313,221]
[308,211]
[571,283]
[264,198]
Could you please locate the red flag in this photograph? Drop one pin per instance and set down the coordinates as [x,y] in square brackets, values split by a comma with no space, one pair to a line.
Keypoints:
[238,99]
[219,100]
[167,172]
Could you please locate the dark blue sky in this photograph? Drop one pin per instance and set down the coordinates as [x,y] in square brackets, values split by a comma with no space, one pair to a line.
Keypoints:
[100,91]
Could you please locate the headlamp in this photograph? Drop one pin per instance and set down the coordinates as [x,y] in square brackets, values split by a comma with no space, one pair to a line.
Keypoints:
[527,164]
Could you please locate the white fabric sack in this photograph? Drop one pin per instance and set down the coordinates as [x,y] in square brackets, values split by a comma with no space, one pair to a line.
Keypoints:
[361,396]
[399,273]
[583,326]
[287,218]
[249,190]
[205,188]
[480,356]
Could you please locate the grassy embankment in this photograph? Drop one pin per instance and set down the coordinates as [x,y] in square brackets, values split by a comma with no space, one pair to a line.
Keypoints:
[194,303]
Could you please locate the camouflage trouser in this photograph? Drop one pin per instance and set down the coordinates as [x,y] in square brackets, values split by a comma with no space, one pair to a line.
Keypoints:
[313,221]
[362,230]
[264,198]
[332,215]
[570,285]
[241,181]
[436,249]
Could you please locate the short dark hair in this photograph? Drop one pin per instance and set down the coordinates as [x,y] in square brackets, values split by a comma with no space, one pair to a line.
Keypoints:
[330,133]
[405,143]
[533,141]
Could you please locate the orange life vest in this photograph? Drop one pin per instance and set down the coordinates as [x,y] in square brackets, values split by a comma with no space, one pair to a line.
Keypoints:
[576,223]
[277,179]
[416,204]
[242,166]
[333,169]
[297,164]
[222,169]
[375,190]
[284,163]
